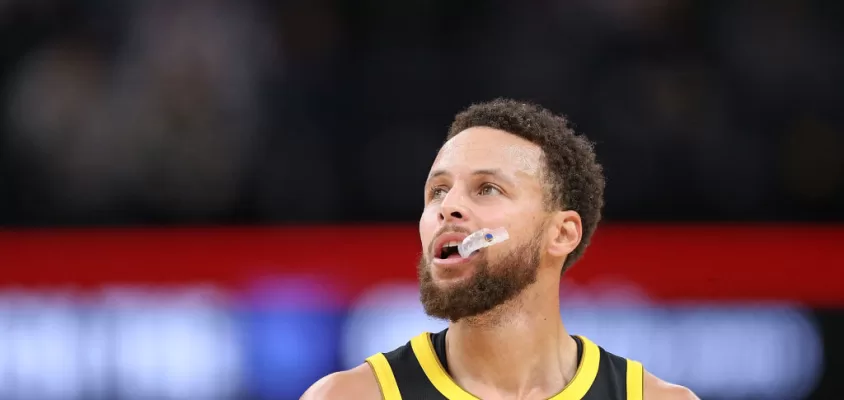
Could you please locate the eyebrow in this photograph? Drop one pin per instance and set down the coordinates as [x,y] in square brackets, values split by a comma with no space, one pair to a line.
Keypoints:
[491,172]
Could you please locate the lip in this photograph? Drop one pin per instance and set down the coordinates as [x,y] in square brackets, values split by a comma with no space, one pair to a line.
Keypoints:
[453,261]
[445,238]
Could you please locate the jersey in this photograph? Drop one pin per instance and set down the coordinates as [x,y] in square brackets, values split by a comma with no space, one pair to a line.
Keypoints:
[419,371]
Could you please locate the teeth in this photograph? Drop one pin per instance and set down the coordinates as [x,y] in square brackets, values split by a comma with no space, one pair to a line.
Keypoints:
[452,243]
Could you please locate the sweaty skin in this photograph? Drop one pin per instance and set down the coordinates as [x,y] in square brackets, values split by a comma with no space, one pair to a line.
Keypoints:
[489,178]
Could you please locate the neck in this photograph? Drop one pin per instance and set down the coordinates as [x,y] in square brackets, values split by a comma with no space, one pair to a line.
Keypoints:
[520,349]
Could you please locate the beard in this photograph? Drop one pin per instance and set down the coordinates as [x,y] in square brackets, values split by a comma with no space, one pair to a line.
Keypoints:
[493,283]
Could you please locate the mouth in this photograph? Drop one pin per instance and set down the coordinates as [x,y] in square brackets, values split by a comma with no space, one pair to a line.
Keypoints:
[446,246]
[449,250]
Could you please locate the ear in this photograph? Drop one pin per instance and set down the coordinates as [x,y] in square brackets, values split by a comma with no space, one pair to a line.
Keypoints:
[564,233]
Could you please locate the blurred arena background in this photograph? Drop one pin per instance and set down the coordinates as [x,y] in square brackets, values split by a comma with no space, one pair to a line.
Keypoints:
[217,199]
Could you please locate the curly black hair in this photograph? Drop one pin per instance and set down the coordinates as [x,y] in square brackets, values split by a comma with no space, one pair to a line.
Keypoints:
[574,179]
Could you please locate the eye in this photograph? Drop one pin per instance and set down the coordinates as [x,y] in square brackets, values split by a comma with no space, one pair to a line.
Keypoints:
[489,190]
[437,193]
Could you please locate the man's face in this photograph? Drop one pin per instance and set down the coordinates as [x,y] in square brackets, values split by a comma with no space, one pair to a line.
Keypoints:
[482,178]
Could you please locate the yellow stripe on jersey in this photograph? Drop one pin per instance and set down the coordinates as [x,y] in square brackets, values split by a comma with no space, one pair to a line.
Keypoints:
[575,390]
[635,380]
[585,375]
[427,357]
[384,376]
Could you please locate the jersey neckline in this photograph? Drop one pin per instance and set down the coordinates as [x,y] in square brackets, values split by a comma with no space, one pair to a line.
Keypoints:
[579,385]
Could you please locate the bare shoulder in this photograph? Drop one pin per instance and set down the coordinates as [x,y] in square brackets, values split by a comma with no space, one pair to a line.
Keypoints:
[658,389]
[356,383]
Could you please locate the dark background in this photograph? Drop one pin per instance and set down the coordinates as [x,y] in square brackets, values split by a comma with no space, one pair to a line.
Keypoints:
[123,112]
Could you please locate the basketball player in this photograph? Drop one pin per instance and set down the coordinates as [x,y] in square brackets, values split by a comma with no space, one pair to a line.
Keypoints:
[518,166]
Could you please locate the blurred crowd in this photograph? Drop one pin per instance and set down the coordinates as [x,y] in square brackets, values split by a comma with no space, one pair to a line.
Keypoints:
[257,111]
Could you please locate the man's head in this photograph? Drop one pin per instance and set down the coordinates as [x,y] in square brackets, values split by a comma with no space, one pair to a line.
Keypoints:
[513,165]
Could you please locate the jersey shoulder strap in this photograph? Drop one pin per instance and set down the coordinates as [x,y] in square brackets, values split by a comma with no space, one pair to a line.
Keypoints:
[385,377]
[635,380]
[618,378]
[400,375]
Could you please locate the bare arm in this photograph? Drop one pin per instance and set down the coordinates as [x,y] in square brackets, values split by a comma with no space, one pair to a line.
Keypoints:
[356,383]
[657,389]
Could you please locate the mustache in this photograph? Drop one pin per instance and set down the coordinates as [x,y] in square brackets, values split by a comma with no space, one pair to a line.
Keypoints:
[446,229]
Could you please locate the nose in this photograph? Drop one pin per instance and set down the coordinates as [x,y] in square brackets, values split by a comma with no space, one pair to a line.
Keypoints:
[452,208]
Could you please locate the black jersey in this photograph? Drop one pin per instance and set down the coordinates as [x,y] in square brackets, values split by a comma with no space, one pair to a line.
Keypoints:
[419,371]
